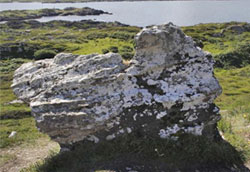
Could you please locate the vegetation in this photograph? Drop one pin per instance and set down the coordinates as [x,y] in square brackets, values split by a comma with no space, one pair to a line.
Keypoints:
[235,108]
[30,40]
[16,116]
[23,39]
[44,54]
[225,42]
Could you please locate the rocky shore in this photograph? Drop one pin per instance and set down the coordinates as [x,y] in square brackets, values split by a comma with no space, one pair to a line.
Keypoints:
[14,15]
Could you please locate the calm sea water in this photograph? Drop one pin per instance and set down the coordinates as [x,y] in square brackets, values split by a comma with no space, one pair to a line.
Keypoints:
[145,13]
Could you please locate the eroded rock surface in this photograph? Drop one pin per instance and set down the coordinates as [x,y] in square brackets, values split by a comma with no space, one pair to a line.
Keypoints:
[168,89]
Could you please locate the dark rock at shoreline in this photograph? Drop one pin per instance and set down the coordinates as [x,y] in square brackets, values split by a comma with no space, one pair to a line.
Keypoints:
[239,29]
[83,24]
[17,15]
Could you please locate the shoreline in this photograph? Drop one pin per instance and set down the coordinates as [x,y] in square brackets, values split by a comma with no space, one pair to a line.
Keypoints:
[58,2]
[13,15]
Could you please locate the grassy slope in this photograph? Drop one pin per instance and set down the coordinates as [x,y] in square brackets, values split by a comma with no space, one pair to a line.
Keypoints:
[79,39]
[235,107]
[14,117]
[218,45]
[235,82]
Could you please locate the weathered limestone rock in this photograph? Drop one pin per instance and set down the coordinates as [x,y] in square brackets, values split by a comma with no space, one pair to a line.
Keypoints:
[167,89]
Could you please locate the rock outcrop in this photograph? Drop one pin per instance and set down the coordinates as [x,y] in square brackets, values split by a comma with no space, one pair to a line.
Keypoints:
[167,89]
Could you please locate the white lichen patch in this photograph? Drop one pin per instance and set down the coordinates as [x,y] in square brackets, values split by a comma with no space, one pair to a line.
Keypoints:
[110,137]
[129,130]
[161,114]
[197,130]
[93,138]
[192,117]
[166,133]
[170,131]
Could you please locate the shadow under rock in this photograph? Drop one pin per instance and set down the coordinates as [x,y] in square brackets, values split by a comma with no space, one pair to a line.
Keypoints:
[137,153]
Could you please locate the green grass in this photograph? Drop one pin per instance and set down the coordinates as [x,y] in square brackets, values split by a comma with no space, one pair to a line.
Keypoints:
[98,45]
[235,107]
[79,38]
[5,158]
[25,128]
[218,45]
[6,94]
[14,117]
[94,37]
[236,89]
[228,47]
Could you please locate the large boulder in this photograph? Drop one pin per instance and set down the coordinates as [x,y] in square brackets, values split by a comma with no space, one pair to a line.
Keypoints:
[167,89]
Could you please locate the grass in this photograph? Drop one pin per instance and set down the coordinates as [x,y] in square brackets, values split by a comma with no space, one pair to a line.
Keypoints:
[80,37]
[228,42]
[98,45]
[14,117]
[236,89]
[6,94]
[5,158]
[235,107]
[86,38]
[23,39]
[225,44]
[25,128]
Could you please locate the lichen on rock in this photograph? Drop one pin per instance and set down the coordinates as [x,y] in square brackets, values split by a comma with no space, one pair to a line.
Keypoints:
[167,89]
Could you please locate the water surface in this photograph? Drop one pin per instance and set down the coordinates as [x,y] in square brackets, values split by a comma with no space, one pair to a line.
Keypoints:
[145,13]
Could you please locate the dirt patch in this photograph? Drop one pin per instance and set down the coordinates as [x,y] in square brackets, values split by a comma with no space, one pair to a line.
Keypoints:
[16,158]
